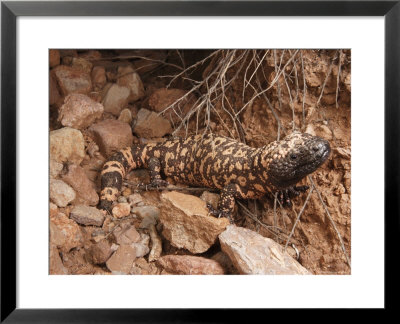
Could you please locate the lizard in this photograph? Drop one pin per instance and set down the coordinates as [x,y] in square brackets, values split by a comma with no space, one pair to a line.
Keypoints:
[237,170]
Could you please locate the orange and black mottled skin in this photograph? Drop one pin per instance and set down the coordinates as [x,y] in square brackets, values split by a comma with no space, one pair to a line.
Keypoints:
[238,170]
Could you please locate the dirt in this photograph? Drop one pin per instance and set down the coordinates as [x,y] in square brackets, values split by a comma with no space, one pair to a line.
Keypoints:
[271,93]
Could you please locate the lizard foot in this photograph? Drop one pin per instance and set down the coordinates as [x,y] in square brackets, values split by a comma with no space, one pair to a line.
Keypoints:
[287,194]
[218,213]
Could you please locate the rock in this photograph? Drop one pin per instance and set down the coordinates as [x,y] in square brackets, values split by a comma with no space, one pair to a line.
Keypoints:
[149,215]
[100,252]
[54,57]
[85,191]
[343,152]
[142,267]
[116,99]
[79,111]
[125,116]
[148,124]
[225,262]
[56,266]
[127,77]
[67,145]
[163,98]
[71,80]
[99,78]
[126,234]
[252,253]
[142,247]
[86,215]
[55,168]
[156,248]
[122,260]
[53,209]
[190,265]
[186,223]
[54,94]
[210,198]
[111,136]
[135,199]
[82,64]
[61,193]
[146,211]
[121,210]
[65,233]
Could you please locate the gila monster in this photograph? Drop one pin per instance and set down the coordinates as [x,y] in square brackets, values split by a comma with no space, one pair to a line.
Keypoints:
[238,170]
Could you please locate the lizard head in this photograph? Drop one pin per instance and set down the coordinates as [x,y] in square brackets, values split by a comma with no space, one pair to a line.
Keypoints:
[291,159]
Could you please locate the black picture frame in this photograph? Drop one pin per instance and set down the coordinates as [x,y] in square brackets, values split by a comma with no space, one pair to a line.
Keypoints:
[9,13]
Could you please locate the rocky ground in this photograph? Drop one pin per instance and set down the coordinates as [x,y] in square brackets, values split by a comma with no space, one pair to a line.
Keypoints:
[102,101]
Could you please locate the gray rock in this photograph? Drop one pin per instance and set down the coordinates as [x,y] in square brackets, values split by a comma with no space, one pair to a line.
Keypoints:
[86,215]
[116,99]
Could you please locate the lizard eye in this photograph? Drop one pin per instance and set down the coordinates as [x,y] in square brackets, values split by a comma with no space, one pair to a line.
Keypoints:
[293,156]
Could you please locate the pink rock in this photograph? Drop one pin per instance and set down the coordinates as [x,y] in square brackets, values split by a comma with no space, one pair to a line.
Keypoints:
[111,136]
[190,265]
[71,80]
[76,177]
[79,111]
[65,233]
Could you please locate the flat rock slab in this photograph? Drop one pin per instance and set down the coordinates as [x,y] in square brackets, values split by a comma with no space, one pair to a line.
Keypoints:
[252,253]
[186,223]
[87,215]
[190,265]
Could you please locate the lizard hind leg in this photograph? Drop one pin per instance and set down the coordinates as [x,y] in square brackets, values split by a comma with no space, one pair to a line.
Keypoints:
[226,203]
[154,166]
